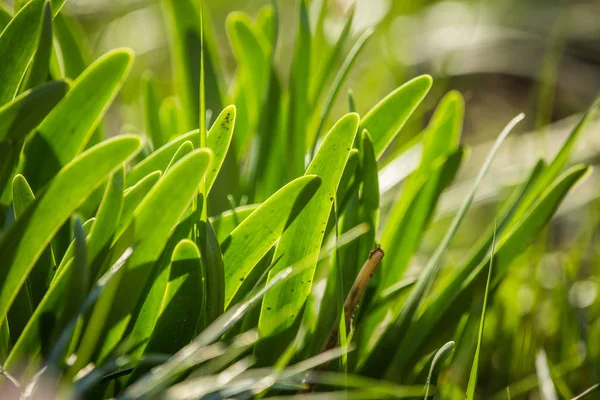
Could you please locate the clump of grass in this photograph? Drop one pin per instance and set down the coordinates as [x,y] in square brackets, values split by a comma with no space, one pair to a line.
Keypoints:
[220,255]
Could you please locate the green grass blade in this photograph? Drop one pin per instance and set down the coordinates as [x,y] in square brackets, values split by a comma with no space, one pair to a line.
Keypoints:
[224,223]
[22,195]
[150,232]
[218,140]
[440,357]
[38,71]
[339,80]
[159,159]
[183,23]
[181,306]
[328,62]
[35,230]
[162,375]
[79,279]
[5,17]
[412,212]
[369,192]
[171,118]
[455,296]
[186,148]
[79,114]
[18,43]
[22,308]
[18,118]
[133,197]
[151,101]
[213,267]
[557,165]
[21,115]
[253,55]
[74,52]
[377,352]
[298,115]
[23,244]
[148,310]
[303,239]
[472,385]
[253,237]
[107,219]
[387,118]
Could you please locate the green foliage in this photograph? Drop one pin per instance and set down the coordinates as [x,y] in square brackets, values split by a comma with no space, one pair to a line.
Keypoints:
[217,247]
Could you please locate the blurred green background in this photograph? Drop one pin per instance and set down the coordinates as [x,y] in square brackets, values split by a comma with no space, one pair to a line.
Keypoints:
[540,57]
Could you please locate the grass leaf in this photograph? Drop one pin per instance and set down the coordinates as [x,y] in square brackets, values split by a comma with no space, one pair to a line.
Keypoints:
[253,237]
[79,114]
[18,43]
[387,117]
[303,239]
[150,232]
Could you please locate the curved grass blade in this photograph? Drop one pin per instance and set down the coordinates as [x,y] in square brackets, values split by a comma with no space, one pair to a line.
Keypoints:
[253,55]
[553,170]
[18,43]
[150,231]
[183,23]
[376,350]
[171,118]
[5,17]
[162,375]
[339,81]
[107,219]
[411,213]
[22,308]
[181,304]
[159,159]
[472,385]
[25,112]
[224,223]
[443,354]
[252,239]
[19,117]
[218,140]
[151,103]
[30,236]
[79,282]
[183,150]
[23,244]
[74,52]
[133,197]
[305,235]
[213,268]
[298,114]
[78,114]
[387,118]
[327,64]
[38,71]
[511,243]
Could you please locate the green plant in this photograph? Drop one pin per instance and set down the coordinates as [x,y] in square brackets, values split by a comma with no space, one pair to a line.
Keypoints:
[216,263]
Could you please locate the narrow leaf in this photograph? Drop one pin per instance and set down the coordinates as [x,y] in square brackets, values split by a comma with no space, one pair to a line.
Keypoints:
[253,238]
[387,118]
[78,114]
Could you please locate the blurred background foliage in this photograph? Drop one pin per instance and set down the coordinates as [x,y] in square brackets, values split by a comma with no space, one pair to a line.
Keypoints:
[540,57]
